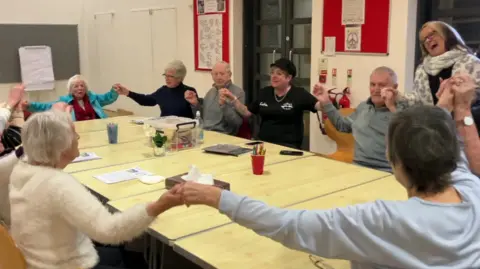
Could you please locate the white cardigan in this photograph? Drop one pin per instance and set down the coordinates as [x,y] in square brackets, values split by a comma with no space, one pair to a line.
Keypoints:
[53,218]
[7,163]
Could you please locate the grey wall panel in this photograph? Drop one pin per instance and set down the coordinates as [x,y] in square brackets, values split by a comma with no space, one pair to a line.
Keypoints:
[63,40]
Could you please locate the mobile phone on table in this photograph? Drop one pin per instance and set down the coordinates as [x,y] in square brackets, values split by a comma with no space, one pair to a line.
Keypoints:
[291,152]
[254,143]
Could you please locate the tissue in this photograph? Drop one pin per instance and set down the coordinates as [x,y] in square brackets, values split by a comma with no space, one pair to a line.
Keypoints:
[194,175]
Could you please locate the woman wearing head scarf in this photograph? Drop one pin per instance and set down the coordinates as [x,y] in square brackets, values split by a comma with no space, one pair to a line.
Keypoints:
[86,105]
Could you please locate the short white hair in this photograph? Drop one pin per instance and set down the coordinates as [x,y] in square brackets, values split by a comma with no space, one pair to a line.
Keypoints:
[179,67]
[46,135]
[389,71]
[74,79]
[228,69]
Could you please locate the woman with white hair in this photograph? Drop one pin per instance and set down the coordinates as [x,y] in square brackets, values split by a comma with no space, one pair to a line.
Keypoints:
[86,105]
[53,217]
[170,97]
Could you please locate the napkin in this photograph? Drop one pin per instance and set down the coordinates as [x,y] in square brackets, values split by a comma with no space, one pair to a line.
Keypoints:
[194,175]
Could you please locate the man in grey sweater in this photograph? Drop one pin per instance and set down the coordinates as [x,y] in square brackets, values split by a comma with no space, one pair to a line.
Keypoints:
[369,123]
[217,113]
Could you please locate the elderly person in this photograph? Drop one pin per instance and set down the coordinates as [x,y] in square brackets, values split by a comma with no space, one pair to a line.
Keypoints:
[369,122]
[170,97]
[47,202]
[86,105]
[444,54]
[280,106]
[452,97]
[217,114]
[437,227]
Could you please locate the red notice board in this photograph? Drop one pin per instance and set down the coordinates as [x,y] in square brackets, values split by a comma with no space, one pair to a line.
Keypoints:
[374,32]
[212,40]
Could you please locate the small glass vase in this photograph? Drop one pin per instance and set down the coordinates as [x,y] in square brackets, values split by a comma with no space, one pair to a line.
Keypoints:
[159,151]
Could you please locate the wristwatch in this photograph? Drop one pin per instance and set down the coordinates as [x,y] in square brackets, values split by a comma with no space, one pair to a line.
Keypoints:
[468,121]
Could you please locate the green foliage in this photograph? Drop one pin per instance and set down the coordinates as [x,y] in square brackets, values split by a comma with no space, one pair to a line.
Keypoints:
[159,139]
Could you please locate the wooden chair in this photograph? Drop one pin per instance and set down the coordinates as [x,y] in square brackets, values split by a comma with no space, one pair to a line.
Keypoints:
[10,255]
[345,141]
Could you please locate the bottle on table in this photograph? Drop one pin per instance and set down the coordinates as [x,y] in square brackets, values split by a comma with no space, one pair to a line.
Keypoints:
[199,128]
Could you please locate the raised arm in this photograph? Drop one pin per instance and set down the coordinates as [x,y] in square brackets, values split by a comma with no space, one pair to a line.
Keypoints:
[81,209]
[232,117]
[420,94]
[141,99]
[236,103]
[108,98]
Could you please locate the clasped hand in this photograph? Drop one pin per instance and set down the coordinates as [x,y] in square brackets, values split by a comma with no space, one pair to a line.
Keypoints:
[191,193]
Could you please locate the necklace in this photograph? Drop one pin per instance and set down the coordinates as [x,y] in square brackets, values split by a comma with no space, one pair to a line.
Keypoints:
[281,98]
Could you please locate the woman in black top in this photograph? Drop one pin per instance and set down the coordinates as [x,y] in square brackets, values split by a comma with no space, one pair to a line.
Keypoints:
[280,106]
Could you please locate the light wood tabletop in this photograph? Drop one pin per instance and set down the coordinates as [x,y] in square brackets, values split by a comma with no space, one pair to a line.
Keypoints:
[281,186]
[233,246]
[126,133]
[101,124]
[167,166]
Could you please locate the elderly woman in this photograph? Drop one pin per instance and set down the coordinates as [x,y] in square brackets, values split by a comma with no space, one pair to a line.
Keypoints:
[86,104]
[280,106]
[53,217]
[437,227]
[170,97]
[444,54]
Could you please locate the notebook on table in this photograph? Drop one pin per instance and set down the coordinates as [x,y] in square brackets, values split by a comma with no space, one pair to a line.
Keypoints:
[226,149]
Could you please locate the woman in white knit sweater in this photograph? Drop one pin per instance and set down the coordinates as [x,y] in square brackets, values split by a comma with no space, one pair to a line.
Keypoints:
[53,217]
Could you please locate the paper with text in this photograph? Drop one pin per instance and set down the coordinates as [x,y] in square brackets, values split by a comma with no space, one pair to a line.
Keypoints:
[36,68]
[124,175]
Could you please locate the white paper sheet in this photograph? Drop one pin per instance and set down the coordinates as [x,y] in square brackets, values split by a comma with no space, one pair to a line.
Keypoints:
[210,6]
[124,175]
[330,46]
[353,12]
[353,38]
[86,156]
[36,68]
[210,40]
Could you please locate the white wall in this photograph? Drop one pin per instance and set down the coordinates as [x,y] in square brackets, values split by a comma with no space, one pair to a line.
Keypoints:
[402,34]
[42,12]
[132,48]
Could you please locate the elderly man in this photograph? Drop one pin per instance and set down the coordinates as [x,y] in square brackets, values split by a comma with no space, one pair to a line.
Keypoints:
[218,114]
[369,123]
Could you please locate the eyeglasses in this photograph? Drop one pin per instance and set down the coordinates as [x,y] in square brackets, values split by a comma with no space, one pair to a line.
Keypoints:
[319,263]
[168,76]
[429,37]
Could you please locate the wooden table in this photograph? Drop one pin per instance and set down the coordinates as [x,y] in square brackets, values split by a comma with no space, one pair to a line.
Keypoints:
[233,246]
[170,165]
[101,124]
[282,185]
[126,133]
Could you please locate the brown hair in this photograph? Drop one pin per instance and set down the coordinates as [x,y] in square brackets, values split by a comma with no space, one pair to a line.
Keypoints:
[448,33]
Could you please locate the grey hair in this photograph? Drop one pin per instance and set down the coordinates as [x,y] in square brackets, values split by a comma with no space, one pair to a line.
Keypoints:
[46,136]
[75,78]
[226,65]
[179,67]
[389,71]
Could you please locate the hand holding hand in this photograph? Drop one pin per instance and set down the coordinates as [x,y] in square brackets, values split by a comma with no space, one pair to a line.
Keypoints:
[16,95]
[321,93]
[196,194]
[445,95]
[120,89]
[464,89]
[169,199]
[191,97]
[225,94]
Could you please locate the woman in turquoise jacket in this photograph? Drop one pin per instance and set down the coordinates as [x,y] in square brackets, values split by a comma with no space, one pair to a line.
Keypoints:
[86,105]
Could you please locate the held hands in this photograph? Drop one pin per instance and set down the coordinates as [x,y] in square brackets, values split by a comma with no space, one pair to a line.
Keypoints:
[189,193]
[16,95]
[120,89]
[457,92]
[225,95]
[321,93]
[191,97]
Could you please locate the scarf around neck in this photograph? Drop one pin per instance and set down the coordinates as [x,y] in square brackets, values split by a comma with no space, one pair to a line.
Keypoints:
[433,65]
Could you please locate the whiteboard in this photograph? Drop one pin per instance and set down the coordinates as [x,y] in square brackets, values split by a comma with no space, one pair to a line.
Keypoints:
[36,68]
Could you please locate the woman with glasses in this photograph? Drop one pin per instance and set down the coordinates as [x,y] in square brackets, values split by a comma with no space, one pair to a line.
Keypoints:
[170,97]
[279,106]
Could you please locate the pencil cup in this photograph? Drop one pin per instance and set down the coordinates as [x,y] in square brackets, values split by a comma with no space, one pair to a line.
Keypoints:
[258,162]
[112,131]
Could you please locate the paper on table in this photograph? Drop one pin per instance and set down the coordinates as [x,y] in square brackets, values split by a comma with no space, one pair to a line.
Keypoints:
[86,156]
[123,175]
[36,68]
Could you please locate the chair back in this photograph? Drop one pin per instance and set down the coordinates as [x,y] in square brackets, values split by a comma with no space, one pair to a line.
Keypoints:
[345,141]
[10,255]
[245,131]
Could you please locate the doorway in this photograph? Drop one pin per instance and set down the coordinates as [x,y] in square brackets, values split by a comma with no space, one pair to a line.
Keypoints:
[274,29]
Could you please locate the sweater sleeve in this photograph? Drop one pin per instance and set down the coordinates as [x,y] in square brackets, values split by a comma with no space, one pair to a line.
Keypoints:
[230,114]
[4,117]
[84,211]
[144,99]
[421,93]
[341,123]
[352,233]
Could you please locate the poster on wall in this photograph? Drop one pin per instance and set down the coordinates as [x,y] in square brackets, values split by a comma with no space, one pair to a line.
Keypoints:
[210,6]
[210,40]
[353,38]
[353,12]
